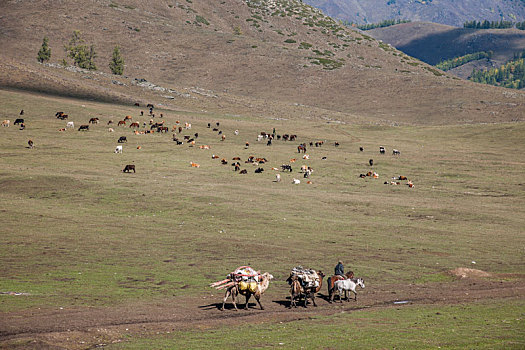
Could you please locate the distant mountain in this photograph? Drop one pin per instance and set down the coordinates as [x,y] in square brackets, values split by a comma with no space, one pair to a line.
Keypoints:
[432,43]
[450,12]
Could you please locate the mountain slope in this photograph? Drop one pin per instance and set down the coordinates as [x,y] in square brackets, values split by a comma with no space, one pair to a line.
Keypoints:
[433,43]
[448,12]
[265,58]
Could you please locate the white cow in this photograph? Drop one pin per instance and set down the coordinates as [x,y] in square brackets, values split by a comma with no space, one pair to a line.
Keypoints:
[70,125]
[296,181]
[277,177]
[118,149]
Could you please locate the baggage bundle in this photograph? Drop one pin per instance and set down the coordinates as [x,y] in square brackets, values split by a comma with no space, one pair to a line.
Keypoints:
[307,277]
[244,276]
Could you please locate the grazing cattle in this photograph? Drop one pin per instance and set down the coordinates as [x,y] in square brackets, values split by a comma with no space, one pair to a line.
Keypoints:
[6,123]
[215,129]
[196,135]
[121,122]
[111,130]
[214,156]
[110,121]
[61,115]
[243,171]
[149,105]
[122,139]
[236,132]
[93,121]
[259,170]
[381,149]
[162,129]
[187,137]
[323,158]
[277,177]
[286,167]
[293,137]
[309,182]
[336,144]
[30,143]
[22,126]
[128,117]
[362,176]
[194,165]
[220,132]
[63,129]
[18,121]
[84,127]
[306,156]
[134,125]
[141,113]
[223,137]
[296,181]
[187,125]
[22,112]
[70,125]
[410,184]
[361,149]
[247,145]
[371,162]
[209,125]
[217,123]
[259,138]
[269,142]
[401,177]
[118,149]
[139,147]
[180,129]
[395,152]
[236,158]
[292,160]
[205,147]
[137,104]
[224,161]
[128,168]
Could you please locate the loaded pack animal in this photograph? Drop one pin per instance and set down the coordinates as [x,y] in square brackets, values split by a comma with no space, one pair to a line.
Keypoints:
[348,285]
[299,290]
[128,168]
[235,289]
[331,282]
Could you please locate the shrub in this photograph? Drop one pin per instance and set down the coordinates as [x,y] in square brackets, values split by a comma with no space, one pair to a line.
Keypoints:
[117,62]
[44,54]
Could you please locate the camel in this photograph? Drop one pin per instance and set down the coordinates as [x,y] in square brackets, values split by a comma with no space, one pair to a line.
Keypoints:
[297,290]
[331,281]
[234,291]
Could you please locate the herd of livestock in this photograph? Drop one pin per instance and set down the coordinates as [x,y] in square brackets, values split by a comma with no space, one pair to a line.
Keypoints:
[190,139]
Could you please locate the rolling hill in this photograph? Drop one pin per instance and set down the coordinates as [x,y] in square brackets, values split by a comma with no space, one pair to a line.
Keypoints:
[449,12]
[279,59]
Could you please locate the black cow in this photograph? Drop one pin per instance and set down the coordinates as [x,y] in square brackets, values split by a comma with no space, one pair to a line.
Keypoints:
[83,128]
[19,121]
[122,139]
[371,162]
[128,168]
[259,170]
[381,149]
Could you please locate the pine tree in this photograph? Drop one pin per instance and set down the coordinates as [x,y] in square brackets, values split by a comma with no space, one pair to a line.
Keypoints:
[117,62]
[80,53]
[44,54]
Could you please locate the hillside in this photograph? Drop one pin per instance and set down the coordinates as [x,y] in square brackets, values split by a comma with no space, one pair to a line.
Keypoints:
[449,12]
[278,59]
[433,43]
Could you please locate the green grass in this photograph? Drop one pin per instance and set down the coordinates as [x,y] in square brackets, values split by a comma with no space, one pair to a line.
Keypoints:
[475,326]
[76,231]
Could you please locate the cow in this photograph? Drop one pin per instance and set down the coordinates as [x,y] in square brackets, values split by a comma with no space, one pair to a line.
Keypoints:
[236,132]
[70,125]
[209,125]
[361,149]
[371,162]
[194,165]
[395,152]
[6,123]
[247,145]
[223,137]
[18,121]
[118,149]
[162,129]
[22,126]
[93,120]
[111,130]
[22,112]
[137,104]
[30,144]
[277,177]
[121,122]
[381,149]
[296,181]
[224,161]
[63,129]
[110,122]
[122,139]
[259,170]
[134,125]
[84,127]
[336,144]
[128,168]
[128,117]
[243,171]
[214,157]
[61,115]
[149,105]
[286,167]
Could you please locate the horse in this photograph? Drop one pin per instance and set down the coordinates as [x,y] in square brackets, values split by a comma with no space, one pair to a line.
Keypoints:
[297,290]
[348,285]
[331,280]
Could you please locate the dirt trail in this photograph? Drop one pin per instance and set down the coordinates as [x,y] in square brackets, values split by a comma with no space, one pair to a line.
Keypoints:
[82,328]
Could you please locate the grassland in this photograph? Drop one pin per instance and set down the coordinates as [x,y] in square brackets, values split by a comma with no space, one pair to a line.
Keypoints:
[77,233]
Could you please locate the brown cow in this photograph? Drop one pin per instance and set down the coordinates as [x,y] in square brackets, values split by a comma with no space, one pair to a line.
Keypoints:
[134,125]
[121,122]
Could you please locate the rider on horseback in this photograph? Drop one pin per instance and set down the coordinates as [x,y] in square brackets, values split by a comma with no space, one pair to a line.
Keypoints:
[339,268]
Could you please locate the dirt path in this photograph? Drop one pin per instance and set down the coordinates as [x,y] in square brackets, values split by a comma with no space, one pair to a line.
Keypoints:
[82,328]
